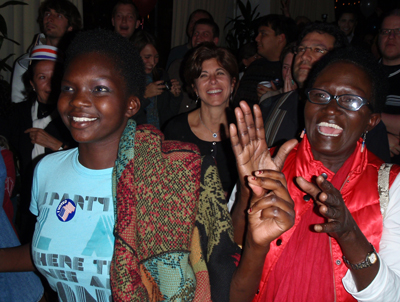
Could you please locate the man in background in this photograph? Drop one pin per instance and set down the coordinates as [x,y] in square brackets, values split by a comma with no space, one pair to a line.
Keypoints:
[204,30]
[389,46]
[57,20]
[274,32]
[179,52]
[125,18]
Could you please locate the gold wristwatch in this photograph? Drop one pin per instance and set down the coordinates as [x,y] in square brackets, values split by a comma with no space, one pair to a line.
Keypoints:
[372,258]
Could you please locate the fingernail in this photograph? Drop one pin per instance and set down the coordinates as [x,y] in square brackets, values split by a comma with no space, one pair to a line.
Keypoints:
[306,197]
[259,172]
[250,210]
[253,178]
[324,175]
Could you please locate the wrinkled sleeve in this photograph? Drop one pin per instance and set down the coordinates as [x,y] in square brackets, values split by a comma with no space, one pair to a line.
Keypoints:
[386,285]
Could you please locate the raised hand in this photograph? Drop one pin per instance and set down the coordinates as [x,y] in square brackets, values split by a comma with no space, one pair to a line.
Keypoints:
[252,154]
[249,145]
[176,87]
[271,211]
[340,224]
[289,84]
[154,89]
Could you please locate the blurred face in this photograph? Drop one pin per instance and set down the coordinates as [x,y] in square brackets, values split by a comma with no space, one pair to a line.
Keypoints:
[150,58]
[93,103]
[41,82]
[203,33]
[55,25]
[303,62]
[215,85]
[347,23]
[268,43]
[124,20]
[389,45]
[287,65]
[331,130]
[196,17]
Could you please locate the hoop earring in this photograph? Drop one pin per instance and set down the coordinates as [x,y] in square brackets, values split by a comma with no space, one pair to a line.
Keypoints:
[364,136]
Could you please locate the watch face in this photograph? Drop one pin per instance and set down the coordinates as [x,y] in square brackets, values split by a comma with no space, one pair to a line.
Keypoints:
[372,258]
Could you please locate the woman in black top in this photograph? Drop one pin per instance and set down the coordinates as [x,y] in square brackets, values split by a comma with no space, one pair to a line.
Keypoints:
[211,73]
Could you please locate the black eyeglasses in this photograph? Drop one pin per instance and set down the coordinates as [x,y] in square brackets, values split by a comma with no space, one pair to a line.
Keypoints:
[346,101]
[316,50]
[386,31]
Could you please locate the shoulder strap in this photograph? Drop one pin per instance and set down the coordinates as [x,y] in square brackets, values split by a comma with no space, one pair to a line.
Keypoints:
[383,186]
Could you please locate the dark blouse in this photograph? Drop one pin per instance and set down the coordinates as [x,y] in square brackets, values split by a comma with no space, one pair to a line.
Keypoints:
[178,129]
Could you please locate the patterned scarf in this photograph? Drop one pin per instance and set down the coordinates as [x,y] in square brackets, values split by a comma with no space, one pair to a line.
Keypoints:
[173,232]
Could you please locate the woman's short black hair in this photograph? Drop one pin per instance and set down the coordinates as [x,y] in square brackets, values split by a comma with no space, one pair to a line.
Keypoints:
[122,52]
[363,60]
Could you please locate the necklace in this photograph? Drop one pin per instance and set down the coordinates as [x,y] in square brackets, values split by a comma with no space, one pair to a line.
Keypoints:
[214,134]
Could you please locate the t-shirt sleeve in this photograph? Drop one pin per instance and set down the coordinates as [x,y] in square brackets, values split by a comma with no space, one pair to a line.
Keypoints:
[34,206]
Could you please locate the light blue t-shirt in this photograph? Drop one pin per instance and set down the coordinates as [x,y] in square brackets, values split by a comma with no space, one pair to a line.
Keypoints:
[73,241]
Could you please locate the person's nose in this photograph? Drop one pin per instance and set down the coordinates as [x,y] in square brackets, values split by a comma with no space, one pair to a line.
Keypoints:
[213,78]
[51,17]
[392,35]
[258,38]
[332,107]
[79,99]
[306,55]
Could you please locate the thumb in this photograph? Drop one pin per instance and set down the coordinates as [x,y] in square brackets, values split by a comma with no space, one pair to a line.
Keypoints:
[257,190]
[283,152]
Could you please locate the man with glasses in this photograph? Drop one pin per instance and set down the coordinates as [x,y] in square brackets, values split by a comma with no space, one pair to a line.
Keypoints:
[389,46]
[284,114]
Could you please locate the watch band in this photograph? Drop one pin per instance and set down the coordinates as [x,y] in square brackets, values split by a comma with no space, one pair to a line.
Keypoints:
[371,259]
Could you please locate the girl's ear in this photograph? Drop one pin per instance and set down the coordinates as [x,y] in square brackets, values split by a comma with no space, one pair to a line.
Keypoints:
[133,106]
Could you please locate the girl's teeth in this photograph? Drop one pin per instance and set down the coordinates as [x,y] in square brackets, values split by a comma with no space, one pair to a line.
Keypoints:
[83,119]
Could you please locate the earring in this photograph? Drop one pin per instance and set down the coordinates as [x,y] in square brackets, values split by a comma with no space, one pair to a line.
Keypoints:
[34,89]
[198,99]
[364,136]
[303,133]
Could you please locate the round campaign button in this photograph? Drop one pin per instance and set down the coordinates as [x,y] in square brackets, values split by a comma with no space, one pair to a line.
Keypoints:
[66,210]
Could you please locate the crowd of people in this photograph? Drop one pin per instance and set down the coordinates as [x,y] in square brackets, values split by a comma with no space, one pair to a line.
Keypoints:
[221,178]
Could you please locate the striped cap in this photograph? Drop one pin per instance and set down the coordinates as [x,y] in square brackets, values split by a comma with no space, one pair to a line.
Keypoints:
[41,52]
[44,52]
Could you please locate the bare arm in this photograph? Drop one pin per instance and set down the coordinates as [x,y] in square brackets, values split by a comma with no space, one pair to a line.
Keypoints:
[16,259]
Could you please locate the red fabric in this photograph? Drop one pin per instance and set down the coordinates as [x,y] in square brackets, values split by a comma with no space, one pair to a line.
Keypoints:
[290,274]
[9,184]
[360,193]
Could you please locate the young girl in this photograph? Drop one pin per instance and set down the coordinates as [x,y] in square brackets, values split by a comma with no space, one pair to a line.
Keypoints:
[168,244]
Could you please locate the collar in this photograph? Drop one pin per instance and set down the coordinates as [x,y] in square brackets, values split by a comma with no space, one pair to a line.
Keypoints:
[308,167]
